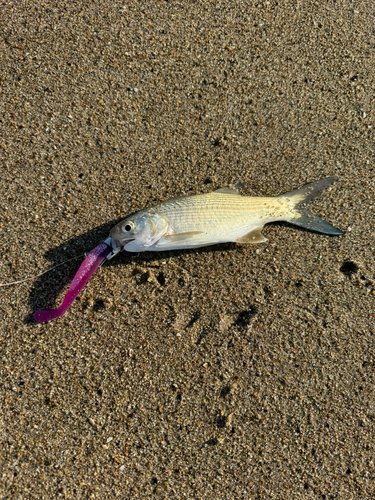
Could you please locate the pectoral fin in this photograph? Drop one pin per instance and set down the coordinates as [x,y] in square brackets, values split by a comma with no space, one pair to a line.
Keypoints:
[255,236]
[178,238]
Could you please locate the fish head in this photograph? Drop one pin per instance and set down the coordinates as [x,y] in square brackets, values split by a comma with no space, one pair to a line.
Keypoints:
[139,231]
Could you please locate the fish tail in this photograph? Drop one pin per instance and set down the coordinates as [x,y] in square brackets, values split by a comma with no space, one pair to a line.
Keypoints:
[301,216]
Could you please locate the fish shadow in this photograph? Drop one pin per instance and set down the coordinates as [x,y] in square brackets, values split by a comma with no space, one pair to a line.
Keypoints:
[66,258]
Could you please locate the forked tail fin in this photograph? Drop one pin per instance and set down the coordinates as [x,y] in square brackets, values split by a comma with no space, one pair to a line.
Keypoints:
[301,216]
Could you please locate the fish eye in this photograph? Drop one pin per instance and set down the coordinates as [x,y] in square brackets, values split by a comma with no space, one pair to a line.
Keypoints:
[128,227]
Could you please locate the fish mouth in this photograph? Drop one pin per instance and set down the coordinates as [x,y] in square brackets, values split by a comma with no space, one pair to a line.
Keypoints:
[116,246]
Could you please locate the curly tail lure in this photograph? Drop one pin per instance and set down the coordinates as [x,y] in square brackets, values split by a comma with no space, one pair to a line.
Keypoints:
[84,273]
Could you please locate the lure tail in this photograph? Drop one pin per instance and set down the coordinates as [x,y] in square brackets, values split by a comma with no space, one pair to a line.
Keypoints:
[84,273]
[301,216]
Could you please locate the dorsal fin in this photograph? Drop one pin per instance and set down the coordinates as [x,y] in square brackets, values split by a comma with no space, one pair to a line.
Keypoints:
[239,186]
[226,190]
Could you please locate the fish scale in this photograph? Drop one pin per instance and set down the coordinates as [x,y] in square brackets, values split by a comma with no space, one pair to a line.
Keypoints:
[213,210]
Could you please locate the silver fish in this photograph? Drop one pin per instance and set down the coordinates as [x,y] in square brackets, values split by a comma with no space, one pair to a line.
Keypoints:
[218,217]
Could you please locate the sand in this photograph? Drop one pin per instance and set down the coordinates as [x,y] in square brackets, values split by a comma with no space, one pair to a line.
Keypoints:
[232,372]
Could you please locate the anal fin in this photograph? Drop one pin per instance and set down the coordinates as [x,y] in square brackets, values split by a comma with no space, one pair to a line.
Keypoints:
[254,236]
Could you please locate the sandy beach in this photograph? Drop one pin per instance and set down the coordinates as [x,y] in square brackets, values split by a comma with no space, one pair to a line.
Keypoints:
[228,372]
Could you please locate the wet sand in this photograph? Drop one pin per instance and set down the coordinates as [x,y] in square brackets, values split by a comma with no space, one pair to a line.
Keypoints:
[230,372]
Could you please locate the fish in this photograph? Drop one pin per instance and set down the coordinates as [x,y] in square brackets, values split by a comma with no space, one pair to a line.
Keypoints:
[214,218]
[196,221]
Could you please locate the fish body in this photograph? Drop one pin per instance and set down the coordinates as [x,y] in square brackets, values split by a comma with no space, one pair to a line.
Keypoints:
[218,217]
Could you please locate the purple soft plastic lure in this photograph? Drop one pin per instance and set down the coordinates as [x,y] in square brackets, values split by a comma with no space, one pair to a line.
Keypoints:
[84,273]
